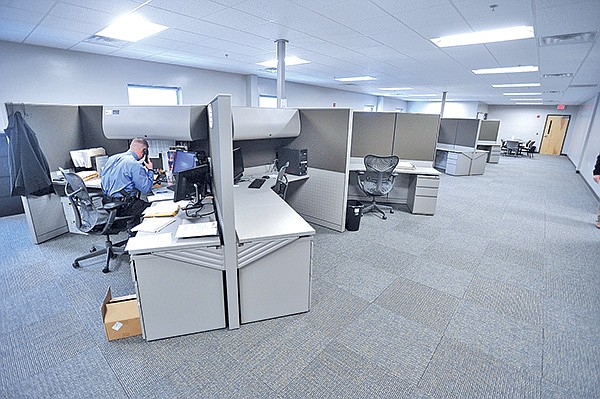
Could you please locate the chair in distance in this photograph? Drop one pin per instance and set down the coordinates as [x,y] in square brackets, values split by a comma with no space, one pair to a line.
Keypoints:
[93,218]
[281,183]
[378,180]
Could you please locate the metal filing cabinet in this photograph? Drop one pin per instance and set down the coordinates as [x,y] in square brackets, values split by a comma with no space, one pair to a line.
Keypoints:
[422,194]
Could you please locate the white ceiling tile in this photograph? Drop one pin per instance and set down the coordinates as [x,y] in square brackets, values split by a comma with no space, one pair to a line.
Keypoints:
[72,25]
[583,17]
[83,14]
[308,22]
[231,17]
[114,7]
[66,35]
[350,11]
[93,48]
[442,14]
[517,52]
[396,7]
[15,14]
[183,36]
[16,26]
[507,11]
[12,35]
[472,57]
[49,41]
[438,30]
[376,26]
[41,6]
[560,59]
[190,8]
[270,10]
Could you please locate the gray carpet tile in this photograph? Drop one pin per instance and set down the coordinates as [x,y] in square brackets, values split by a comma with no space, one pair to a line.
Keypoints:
[339,372]
[402,346]
[360,279]
[440,277]
[530,257]
[459,370]
[575,290]
[553,391]
[86,375]
[460,258]
[511,273]
[563,316]
[506,299]
[420,303]
[573,364]
[35,347]
[503,338]
[19,279]
[246,387]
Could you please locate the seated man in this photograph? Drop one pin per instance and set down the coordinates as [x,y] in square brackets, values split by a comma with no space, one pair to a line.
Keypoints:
[127,175]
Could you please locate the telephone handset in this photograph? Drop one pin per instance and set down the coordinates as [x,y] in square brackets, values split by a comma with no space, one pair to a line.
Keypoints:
[145,154]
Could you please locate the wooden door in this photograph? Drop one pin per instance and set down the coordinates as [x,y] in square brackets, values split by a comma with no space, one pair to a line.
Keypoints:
[555,131]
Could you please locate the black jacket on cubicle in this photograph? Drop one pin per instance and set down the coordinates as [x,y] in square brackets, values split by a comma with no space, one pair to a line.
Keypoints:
[28,167]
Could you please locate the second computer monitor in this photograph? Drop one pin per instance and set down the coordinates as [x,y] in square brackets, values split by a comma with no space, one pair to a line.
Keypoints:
[238,165]
[184,160]
[192,184]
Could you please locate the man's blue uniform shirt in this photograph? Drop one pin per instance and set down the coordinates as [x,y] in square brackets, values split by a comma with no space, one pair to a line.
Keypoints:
[124,172]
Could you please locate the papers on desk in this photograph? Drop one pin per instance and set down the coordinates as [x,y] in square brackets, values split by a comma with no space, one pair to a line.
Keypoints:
[161,208]
[161,194]
[153,225]
[201,229]
[88,175]
[405,165]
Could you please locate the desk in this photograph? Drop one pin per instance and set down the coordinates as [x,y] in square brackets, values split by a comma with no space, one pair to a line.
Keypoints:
[417,188]
[493,149]
[274,254]
[460,161]
[178,282]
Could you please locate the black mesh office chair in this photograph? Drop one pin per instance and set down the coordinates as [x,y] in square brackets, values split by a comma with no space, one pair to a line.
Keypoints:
[281,183]
[378,180]
[92,218]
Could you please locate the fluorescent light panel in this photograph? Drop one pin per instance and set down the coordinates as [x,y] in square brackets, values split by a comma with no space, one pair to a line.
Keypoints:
[517,69]
[131,28]
[528,103]
[522,94]
[488,36]
[355,79]
[396,88]
[518,85]
[526,99]
[289,61]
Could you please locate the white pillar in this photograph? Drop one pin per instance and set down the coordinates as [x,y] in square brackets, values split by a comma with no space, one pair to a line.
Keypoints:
[281,100]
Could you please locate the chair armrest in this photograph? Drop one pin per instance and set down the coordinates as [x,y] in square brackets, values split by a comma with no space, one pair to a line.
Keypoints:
[110,206]
[360,172]
[394,174]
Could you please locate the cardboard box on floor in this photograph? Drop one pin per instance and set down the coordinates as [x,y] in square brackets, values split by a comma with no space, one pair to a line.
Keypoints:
[121,316]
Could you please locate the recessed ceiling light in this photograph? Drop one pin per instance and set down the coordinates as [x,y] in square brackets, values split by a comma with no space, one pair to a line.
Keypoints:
[517,69]
[289,61]
[131,28]
[526,99]
[522,94]
[528,103]
[488,36]
[355,79]
[396,88]
[557,75]
[518,85]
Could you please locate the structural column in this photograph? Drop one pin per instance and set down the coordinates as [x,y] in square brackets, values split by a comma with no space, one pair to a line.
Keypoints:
[281,46]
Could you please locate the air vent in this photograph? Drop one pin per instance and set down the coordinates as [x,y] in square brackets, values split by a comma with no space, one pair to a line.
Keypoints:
[581,86]
[557,75]
[106,41]
[572,38]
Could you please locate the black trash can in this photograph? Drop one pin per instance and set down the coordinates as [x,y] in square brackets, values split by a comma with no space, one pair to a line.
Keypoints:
[353,215]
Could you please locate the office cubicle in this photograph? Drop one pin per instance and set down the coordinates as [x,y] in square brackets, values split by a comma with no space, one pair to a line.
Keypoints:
[457,152]
[489,130]
[459,133]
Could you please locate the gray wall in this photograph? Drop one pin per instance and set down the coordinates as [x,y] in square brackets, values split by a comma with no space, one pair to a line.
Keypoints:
[372,133]
[489,130]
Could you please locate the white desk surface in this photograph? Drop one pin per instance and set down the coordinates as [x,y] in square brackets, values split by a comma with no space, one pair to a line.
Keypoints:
[165,239]
[357,164]
[260,214]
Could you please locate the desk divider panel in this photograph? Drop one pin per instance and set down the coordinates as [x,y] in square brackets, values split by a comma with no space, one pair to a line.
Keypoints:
[90,117]
[221,151]
[489,130]
[448,129]
[372,133]
[467,132]
[415,136]
[321,199]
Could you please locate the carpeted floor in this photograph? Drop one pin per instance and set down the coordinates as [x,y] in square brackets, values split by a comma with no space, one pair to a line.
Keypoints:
[495,296]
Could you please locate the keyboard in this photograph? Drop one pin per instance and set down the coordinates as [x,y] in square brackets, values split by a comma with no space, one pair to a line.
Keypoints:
[257,183]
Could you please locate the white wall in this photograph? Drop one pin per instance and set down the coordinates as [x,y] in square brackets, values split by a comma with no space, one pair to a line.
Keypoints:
[527,122]
[299,95]
[579,132]
[452,109]
[33,74]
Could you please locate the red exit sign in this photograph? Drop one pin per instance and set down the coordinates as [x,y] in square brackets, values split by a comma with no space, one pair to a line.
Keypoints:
[560,106]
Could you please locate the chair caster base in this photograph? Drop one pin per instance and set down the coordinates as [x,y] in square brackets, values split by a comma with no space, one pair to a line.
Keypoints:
[105,270]
[391,211]
[76,265]
[93,249]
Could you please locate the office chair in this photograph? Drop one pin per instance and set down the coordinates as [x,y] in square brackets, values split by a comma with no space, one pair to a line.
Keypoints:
[378,180]
[512,147]
[93,219]
[281,183]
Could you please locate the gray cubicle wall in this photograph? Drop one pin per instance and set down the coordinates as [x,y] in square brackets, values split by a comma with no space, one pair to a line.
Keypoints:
[260,152]
[90,118]
[459,132]
[489,130]
[372,133]
[326,134]
[415,136]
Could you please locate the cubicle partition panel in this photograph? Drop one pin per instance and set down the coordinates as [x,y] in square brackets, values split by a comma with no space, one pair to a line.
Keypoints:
[326,134]
[58,131]
[372,133]
[467,132]
[260,152]
[489,130]
[220,134]
[457,152]
[415,137]
[448,129]
[90,118]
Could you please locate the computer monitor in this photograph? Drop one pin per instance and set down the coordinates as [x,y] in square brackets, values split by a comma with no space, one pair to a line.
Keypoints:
[184,160]
[192,184]
[238,165]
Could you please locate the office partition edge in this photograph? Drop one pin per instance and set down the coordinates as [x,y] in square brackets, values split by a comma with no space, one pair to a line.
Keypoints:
[221,148]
